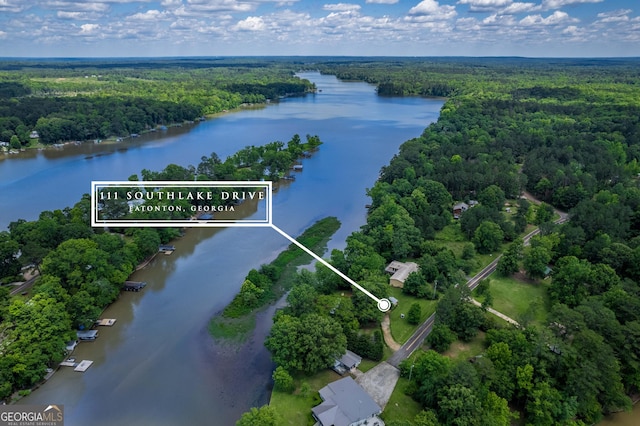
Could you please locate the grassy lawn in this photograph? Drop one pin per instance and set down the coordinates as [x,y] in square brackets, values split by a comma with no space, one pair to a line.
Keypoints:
[452,237]
[295,408]
[367,365]
[516,298]
[401,407]
[400,327]
[461,351]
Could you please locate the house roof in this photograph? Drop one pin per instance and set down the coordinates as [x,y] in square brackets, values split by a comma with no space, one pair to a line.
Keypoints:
[344,403]
[461,206]
[401,270]
[350,359]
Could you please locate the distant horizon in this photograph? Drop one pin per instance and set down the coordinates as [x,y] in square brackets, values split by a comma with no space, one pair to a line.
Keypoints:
[370,28]
[3,58]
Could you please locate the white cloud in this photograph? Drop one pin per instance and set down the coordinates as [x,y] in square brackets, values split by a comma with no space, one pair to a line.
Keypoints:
[519,7]
[89,28]
[76,6]
[557,4]
[619,15]
[3,34]
[382,1]
[485,5]
[341,7]
[252,23]
[149,15]
[78,16]
[431,8]
[171,3]
[499,20]
[12,6]
[557,17]
[220,6]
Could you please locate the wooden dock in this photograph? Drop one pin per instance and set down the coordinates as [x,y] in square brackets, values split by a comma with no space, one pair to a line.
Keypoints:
[107,322]
[83,365]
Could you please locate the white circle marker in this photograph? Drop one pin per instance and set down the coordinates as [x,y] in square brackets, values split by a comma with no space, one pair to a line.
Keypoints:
[384,305]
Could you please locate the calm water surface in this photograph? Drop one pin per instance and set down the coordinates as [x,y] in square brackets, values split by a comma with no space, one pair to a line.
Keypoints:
[157,365]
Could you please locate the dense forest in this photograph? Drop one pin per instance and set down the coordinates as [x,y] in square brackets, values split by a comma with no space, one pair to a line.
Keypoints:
[566,131]
[84,100]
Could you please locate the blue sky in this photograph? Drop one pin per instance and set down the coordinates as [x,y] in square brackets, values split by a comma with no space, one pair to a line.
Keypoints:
[539,28]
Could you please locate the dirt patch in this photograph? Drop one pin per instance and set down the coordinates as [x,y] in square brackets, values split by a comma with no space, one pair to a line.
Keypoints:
[386,333]
[522,276]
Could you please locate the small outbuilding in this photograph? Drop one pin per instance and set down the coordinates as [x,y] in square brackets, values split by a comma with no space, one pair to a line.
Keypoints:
[347,363]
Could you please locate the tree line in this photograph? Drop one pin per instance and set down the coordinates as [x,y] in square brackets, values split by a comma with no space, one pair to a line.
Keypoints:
[94,100]
[566,131]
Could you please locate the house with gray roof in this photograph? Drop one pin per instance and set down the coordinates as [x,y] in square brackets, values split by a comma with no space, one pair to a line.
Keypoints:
[400,271]
[347,362]
[345,403]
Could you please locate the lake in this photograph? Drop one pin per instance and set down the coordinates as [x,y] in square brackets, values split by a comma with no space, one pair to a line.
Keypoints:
[157,365]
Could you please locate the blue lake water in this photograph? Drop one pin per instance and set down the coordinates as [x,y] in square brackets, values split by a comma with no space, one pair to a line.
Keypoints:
[157,365]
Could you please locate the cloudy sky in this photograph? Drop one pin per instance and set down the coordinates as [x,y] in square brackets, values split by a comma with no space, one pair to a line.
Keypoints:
[63,28]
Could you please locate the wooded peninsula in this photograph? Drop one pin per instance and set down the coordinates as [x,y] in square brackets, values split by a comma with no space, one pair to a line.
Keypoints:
[518,143]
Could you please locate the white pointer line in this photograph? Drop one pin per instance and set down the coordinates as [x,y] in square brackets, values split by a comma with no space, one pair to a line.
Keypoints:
[383,304]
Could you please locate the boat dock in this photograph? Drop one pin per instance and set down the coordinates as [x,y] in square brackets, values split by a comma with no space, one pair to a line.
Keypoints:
[108,322]
[83,365]
[134,285]
[166,249]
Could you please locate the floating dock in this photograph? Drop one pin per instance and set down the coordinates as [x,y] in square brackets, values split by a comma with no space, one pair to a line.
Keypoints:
[83,365]
[134,285]
[166,249]
[107,322]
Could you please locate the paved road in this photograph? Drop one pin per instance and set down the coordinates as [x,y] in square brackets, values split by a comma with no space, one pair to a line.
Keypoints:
[414,342]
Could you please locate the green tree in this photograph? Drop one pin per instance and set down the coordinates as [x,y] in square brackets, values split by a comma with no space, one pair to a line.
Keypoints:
[14,143]
[544,213]
[509,263]
[263,416]
[83,310]
[536,261]
[301,299]
[307,344]
[488,237]
[9,251]
[416,284]
[414,314]
[77,261]
[441,337]
[459,406]
[455,311]
[569,283]
[492,196]
[282,380]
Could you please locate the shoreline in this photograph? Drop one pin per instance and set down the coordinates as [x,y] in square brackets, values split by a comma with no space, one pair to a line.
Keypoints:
[115,140]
